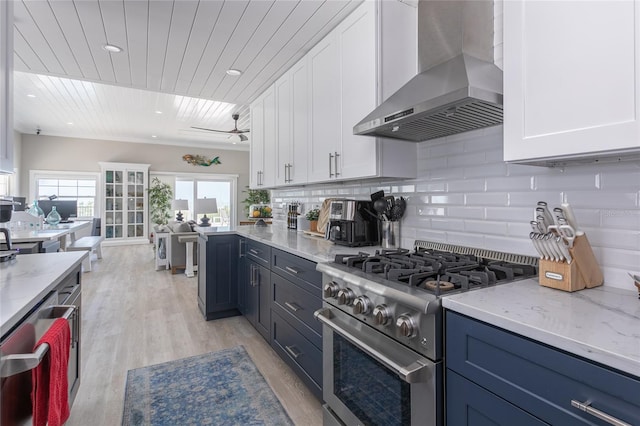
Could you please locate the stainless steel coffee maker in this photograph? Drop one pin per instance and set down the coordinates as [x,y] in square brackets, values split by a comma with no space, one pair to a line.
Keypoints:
[353,223]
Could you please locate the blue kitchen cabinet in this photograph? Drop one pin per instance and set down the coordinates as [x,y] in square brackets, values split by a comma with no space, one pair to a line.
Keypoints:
[258,292]
[218,276]
[243,277]
[295,334]
[522,377]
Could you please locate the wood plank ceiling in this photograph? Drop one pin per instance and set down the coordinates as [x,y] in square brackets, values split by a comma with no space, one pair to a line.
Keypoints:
[174,60]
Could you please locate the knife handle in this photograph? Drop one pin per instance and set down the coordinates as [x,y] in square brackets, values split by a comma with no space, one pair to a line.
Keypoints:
[571,218]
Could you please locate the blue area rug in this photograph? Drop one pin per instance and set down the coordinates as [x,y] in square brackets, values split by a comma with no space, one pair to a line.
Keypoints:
[218,388]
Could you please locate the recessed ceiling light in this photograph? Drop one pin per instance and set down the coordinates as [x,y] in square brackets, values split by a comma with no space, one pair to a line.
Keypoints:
[70,123]
[234,72]
[158,112]
[31,96]
[153,136]
[112,48]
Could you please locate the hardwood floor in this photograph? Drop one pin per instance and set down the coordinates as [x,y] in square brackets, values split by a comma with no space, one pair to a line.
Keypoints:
[134,316]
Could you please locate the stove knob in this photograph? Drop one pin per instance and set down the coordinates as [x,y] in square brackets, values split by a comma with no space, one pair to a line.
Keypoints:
[345,296]
[331,289]
[381,314]
[406,325]
[362,305]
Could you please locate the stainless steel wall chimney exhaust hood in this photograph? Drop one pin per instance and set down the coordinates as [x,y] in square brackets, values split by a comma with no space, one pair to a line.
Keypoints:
[458,89]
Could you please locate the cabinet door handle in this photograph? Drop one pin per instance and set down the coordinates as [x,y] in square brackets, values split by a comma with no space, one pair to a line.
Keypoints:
[335,157]
[292,306]
[251,274]
[330,165]
[254,251]
[240,248]
[292,351]
[290,269]
[586,407]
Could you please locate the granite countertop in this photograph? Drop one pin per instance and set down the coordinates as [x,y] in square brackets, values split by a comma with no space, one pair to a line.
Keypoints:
[26,280]
[601,324]
[313,248]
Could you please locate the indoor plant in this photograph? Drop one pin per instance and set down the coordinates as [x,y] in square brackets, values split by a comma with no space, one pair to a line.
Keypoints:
[255,196]
[160,196]
[312,217]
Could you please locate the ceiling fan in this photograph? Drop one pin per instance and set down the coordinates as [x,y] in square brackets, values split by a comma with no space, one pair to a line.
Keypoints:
[235,130]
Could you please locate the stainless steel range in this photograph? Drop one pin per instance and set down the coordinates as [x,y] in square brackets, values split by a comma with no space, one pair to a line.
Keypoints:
[383,328]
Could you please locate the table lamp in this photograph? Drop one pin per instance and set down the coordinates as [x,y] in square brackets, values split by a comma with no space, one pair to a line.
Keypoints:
[179,205]
[206,205]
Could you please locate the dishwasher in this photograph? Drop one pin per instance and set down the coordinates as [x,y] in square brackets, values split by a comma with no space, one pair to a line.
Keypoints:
[19,357]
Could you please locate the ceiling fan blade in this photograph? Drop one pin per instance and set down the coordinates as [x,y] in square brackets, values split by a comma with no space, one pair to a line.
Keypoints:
[244,130]
[210,130]
[243,138]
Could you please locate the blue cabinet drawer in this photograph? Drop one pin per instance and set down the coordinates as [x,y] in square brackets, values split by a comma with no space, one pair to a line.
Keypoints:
[298,352]
[300,271]
[259,252]
[539,379]
[298,305]
[473,405]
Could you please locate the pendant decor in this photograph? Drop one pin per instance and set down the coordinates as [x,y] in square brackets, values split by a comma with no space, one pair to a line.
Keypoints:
[200,160]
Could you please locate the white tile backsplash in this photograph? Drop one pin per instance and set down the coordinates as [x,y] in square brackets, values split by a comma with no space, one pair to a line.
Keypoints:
[465,194]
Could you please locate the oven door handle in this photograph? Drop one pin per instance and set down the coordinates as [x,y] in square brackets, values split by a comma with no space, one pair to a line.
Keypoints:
[415,372]
[19,363]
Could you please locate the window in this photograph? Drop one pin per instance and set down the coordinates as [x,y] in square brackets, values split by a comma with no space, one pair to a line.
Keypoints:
[79,186]
[222,188]
[5,185]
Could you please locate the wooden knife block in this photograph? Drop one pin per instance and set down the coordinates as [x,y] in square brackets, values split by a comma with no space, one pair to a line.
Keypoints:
[583,272]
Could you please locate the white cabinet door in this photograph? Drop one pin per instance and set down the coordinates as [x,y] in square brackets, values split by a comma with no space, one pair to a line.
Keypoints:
[324,92]
[300,123]
[571,78]
[269,177]
[283,129]
[6,87]
[357,49]
[263,140]
[256,165]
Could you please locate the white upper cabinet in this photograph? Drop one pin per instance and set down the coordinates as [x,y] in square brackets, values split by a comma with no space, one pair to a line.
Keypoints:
[343,78]
[571,80]
[324,114]
[263,139]
[6,87]
[292,131]
[357,46]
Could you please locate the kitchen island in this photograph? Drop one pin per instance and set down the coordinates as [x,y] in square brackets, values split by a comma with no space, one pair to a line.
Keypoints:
[27,280]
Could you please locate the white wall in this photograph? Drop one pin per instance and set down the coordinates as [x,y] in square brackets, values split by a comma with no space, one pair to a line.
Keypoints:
[59,153]
[465,194]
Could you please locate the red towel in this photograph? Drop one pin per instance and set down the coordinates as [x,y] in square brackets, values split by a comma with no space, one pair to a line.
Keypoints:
[50,396]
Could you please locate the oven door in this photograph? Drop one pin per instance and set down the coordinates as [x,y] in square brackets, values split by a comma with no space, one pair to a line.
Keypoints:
[369,379]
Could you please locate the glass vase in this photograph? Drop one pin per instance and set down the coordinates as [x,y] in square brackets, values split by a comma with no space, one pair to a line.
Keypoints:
[35,210]
[53,218]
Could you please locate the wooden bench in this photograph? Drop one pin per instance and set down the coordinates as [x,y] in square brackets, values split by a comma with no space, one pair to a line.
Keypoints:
[88,243]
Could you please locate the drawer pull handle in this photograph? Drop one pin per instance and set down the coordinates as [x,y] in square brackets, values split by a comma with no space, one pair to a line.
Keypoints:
[19,363]
[586,407]
[290,269]
[256,252]
[292,306]
[292,351]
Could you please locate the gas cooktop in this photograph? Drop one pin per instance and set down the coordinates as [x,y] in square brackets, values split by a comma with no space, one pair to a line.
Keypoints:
[439,271]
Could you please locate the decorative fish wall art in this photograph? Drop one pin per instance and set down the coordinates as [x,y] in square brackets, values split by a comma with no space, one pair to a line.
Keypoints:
[200,160]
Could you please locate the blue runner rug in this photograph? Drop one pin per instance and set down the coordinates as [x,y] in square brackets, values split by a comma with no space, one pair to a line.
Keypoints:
[218,388]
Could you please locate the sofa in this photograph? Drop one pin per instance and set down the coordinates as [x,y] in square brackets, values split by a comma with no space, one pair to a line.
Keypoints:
[177,250]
